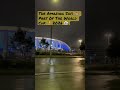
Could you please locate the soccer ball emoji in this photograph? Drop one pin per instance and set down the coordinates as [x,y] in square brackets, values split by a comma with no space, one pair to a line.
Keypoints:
[65,23]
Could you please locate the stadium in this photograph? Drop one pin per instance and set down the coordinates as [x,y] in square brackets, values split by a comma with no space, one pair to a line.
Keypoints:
[6,32]
[56,44]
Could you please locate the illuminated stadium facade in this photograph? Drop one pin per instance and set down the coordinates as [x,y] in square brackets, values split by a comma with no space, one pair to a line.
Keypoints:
[6,32]
[56,44]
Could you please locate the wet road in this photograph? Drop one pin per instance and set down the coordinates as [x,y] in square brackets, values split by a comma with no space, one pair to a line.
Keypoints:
[102,82]
[59,74]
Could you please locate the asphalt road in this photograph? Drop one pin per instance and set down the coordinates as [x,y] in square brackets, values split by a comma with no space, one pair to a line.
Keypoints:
[59,74]
[102,82]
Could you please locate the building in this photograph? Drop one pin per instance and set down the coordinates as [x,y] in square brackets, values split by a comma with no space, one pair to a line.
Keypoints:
[56,44]
[6,32]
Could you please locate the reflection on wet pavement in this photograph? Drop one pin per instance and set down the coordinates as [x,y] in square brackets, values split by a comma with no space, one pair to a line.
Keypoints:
[42,65]
[65,74]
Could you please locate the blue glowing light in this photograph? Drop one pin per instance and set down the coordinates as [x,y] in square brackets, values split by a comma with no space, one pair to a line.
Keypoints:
[56,44]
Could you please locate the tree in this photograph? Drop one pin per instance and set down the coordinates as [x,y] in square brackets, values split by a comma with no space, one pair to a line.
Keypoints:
[21,42]
[44,43]
[82,48]
[113,50]
[29,44]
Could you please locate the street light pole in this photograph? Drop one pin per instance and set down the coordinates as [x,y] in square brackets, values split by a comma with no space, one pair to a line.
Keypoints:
[51,62]
[51,41]
[108,38]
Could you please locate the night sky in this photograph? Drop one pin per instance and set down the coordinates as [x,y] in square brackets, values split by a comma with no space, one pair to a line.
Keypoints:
[69,34]
[102,16]
[17,13]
